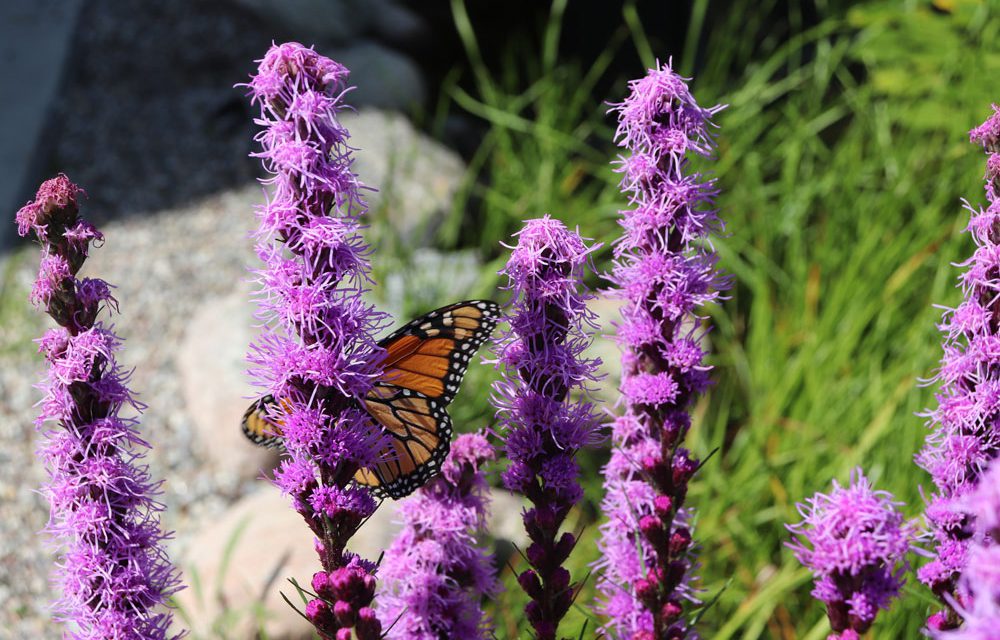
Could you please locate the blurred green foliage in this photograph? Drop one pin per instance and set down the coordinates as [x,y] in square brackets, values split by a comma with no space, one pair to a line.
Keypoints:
[843,156]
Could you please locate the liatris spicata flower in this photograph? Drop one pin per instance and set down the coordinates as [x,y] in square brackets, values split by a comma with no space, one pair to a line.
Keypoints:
[114,575]
[966,435]
[435,574]
[979,585]
[854,541]
[664,272]
[316,352]
[542,427]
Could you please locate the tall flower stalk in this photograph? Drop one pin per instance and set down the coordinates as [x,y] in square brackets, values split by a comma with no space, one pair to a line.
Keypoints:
[664,272]
[854,541]
[965,434]
[316,353]
[435,574]
[114,575]
[542,426]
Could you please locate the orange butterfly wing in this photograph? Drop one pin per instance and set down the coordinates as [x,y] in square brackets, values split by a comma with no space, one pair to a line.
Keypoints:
[423,366]
[430,354]
[261,423]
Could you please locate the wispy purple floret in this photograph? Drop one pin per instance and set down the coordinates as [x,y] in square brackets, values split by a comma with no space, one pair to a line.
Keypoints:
[542,426]
[965,434]
[664,272]
[435,574]
[979,585]
[114,575]
[316,352]
[854,540]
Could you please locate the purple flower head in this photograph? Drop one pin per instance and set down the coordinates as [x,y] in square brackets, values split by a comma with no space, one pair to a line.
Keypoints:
[542,426]
[114,576]
[316,353]
[435,574]
[977,594]
[965,436]
[664,272]
[854,541]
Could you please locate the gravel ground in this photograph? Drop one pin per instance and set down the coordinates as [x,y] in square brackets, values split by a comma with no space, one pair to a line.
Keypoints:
[164,266]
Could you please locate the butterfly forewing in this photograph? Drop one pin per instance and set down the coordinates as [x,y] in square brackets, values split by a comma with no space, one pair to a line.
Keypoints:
[431,354]
[423,366]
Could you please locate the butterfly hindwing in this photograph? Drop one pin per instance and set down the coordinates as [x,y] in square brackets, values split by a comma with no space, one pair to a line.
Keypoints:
[420,431]
[259,426]
[424,363]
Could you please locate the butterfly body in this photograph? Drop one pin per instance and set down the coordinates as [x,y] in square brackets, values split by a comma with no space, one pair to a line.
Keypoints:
[422,368]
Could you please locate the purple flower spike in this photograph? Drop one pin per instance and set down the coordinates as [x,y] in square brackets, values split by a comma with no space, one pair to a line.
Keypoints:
[316,352]
[543,428]
[854,541]
[114,575]
[965,434]
[978,589]
[435,575]
[664,272]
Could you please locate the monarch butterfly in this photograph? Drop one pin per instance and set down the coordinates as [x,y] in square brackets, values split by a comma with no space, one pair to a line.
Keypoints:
[422,368]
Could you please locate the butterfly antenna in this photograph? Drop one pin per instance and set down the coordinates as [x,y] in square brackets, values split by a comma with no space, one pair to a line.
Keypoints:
[398,618]
[707,458]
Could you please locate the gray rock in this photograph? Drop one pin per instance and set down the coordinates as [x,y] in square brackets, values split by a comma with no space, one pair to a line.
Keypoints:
[416,177]
[239,564]
[384,78]
[211,362]
[332,21]
[35,36]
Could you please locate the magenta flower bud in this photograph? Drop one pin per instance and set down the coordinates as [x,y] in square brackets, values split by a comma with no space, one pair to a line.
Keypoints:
[344,634]
[346,615]
[643,635]
[680,540]
[320,615]
[938,621]
[652,529]
[647,590]
[663,506]
[368,626]
[671,611]
[321,585]
[435,575]
[343,582]
[653,465]
[664,273]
